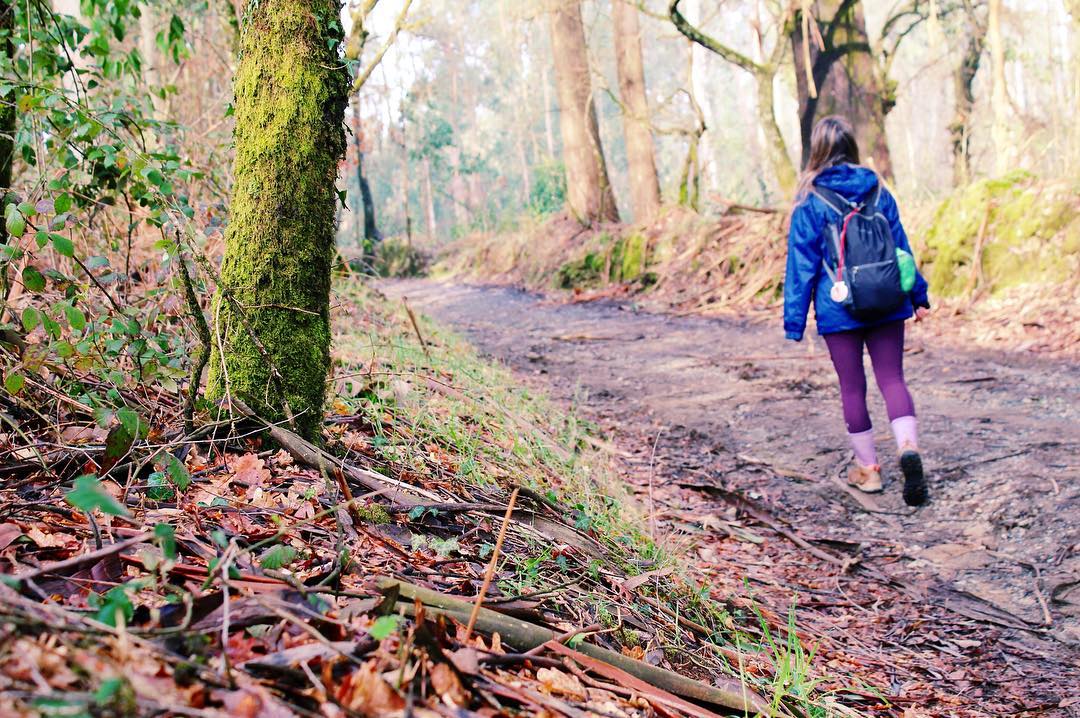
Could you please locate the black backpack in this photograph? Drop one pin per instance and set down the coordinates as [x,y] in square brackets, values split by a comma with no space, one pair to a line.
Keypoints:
[861,257]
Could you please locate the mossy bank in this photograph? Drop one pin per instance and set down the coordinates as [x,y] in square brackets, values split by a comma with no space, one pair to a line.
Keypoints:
[996,234]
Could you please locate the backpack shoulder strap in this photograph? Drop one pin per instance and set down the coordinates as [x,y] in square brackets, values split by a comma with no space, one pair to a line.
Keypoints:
[875,197]
[833,200]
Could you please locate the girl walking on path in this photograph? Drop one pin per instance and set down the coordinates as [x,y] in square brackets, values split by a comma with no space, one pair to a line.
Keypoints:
[833,189]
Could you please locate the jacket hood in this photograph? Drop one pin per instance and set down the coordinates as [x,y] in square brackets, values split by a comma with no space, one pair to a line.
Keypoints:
[852,181]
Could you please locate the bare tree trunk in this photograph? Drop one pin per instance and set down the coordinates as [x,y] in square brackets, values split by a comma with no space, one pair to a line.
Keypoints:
[458,188]
[272,310]
[640,151]
[764,73]
[521,130]
[429,201]
[775,147]
[406,175]
[847,79]
[369,226]
[587,187]
[526,174]
[549,131]
[999,99]
[964,102]
[690,179]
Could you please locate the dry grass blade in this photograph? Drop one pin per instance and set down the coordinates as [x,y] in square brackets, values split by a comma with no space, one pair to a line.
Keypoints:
[495,554]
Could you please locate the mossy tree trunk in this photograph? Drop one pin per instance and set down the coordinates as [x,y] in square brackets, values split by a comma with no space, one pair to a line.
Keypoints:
[7,114]
[775,147]
[271,313]
[588,189]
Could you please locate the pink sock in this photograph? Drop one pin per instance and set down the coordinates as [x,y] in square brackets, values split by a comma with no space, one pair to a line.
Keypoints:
[863,444]
[906,431]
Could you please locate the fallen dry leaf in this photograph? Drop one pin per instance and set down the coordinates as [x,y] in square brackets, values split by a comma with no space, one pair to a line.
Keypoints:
[448,685]
[51,540]
[8,533]
[365,691]
[250,469]
[557,681]
[466,660]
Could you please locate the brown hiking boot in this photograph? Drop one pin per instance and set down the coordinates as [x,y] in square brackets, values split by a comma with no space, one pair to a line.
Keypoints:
[865,478]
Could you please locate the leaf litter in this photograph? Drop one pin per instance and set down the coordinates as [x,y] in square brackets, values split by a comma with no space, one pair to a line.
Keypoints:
[222,573]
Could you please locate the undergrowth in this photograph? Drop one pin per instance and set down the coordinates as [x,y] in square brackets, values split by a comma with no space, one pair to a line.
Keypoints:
[442,397]
[427,393]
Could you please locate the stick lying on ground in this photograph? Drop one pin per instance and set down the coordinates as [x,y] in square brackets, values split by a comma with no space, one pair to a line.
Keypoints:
[405,494]
[527,636]
[307,453]
[20,581]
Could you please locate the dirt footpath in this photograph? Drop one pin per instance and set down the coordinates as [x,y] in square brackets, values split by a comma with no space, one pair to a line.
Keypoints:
[968,606]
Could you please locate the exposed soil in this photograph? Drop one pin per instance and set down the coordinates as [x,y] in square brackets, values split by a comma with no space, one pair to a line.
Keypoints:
[967,606]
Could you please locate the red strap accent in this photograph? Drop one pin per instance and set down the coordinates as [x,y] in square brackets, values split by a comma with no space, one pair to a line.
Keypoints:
[843,241]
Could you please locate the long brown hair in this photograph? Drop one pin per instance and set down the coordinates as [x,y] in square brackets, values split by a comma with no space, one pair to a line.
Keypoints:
[832,143]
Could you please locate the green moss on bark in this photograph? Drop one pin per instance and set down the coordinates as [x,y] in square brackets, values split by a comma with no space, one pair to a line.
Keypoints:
[290,94]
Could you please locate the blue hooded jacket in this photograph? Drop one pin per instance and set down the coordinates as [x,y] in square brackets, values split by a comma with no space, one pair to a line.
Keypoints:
[807,279]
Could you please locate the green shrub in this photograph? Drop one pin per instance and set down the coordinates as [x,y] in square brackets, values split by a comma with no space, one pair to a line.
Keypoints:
[395,257]
[548,194]
[585,272]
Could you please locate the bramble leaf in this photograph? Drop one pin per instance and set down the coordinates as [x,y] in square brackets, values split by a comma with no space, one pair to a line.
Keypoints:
[178,474]
[32,279]
[383,627]
[14,383]
[89,495]
[166,538]
[278,557]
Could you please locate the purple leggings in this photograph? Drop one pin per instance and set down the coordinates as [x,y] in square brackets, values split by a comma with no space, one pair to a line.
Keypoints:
[886,346]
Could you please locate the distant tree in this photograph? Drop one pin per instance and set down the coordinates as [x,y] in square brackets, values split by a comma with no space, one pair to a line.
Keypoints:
[969,25]
[369,227]
[271,312]
[974,42]
[640,152]
[589,191]
[846,78]
[764,74]
[999,97]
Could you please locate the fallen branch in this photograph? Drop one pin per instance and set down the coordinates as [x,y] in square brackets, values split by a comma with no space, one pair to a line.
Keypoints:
[652,692]
[562,638]
[76,562]
[760,514]
[526,636]
[308,454]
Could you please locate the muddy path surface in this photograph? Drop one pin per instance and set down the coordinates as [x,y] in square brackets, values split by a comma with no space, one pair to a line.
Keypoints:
[733,437]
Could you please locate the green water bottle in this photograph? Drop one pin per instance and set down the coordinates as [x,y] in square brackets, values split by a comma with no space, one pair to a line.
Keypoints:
[907,269]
